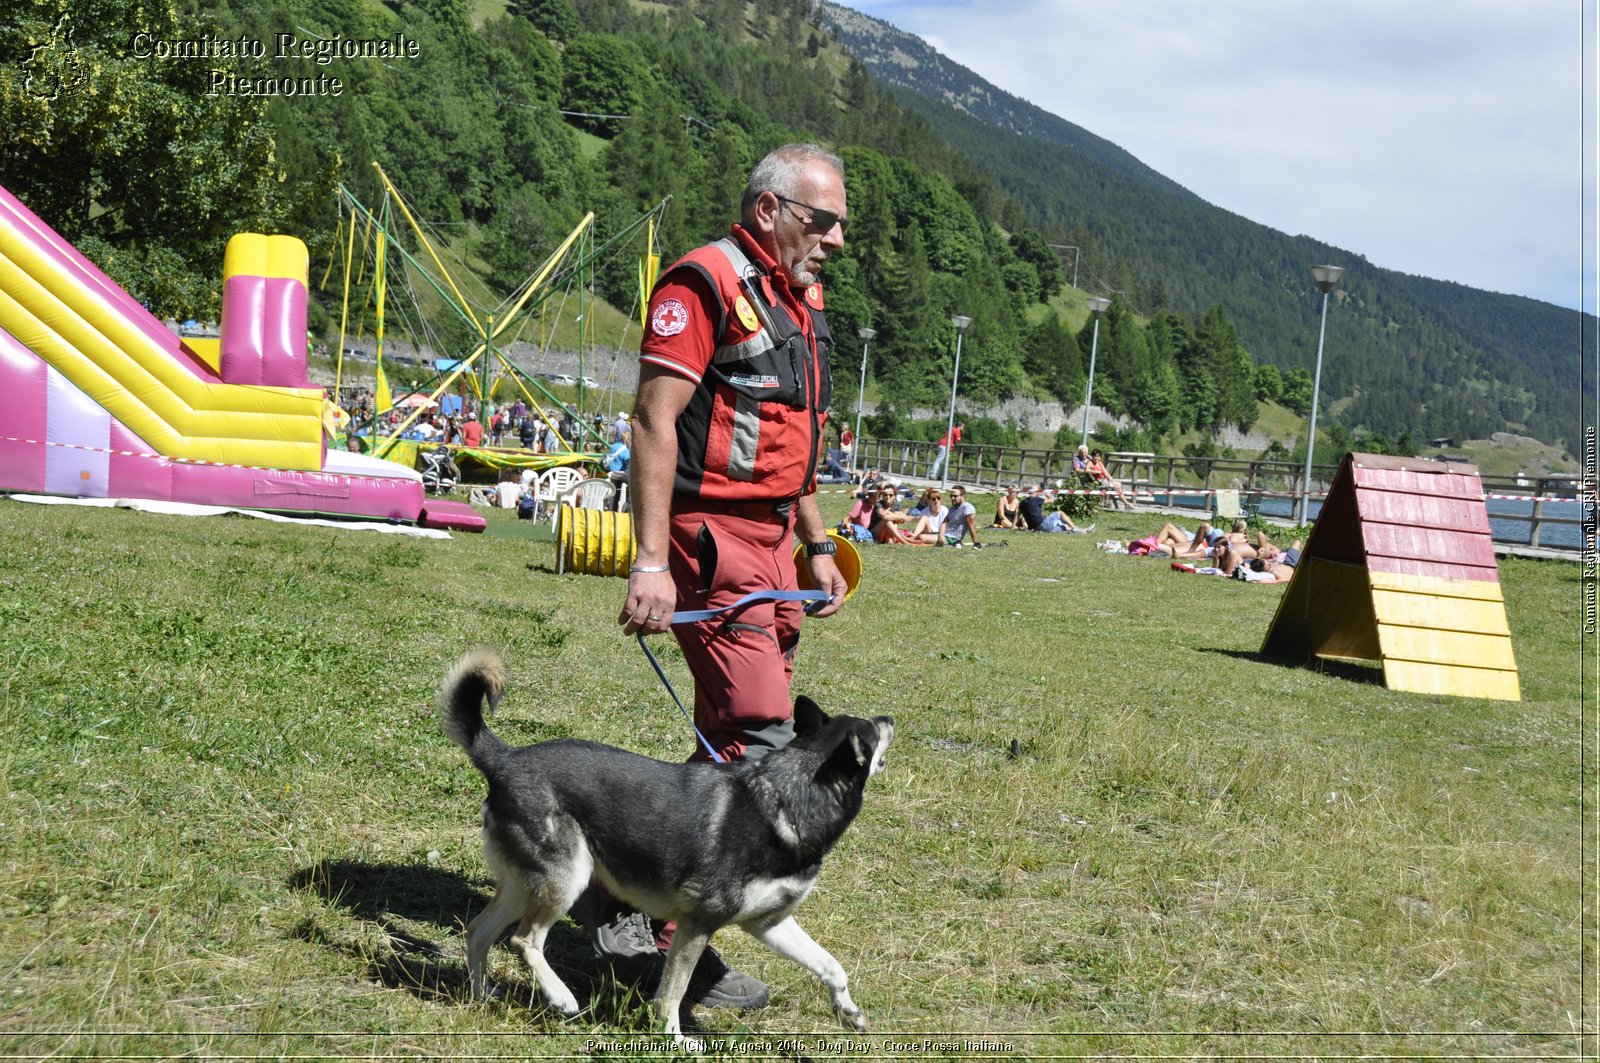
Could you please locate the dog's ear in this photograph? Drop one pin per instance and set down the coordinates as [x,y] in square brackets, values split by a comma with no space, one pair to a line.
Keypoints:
[848,759]
[808,718]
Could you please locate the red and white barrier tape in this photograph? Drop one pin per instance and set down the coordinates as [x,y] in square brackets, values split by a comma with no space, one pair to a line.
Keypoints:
[165,457]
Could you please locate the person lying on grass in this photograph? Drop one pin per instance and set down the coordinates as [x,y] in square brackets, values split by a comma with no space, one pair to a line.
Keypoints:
[1173,541]
[1233,554]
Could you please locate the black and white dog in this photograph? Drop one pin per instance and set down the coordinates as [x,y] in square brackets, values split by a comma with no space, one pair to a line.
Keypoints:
[703,844]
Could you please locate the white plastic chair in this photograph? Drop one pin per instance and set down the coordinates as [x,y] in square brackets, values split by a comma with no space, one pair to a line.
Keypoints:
[593,493]
[554,483]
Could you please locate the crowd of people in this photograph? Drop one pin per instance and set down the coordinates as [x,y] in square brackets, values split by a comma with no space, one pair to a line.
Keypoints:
[896,515]
[505,425]
[879,514]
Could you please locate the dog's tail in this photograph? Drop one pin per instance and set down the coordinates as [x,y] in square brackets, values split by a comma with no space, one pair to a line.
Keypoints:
[479,674]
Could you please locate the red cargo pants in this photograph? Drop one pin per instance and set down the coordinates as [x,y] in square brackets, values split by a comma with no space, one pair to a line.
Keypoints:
[741,661]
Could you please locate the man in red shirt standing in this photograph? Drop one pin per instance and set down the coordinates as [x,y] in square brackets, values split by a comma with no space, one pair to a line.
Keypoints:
[727,424]
[472,432]
[947,443]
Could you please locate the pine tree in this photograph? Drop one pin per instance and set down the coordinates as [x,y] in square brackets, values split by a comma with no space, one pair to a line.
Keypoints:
[908,348]
[1052,359]
[91,132]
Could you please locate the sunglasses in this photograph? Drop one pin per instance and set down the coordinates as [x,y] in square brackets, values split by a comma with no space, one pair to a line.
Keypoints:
[821,220]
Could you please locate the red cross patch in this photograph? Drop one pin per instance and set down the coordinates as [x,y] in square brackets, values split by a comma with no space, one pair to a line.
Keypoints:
[670,318]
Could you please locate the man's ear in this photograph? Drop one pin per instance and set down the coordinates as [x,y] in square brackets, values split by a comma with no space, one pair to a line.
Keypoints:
[764,213]
[808,718]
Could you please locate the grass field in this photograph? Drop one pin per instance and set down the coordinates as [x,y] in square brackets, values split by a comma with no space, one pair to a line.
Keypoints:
[233,828]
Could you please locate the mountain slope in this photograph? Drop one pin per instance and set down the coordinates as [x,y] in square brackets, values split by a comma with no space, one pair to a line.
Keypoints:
[1395,341]
[907,62]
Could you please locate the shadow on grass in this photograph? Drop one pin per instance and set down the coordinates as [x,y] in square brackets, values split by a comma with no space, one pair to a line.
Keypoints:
[1354,671]
[413,906]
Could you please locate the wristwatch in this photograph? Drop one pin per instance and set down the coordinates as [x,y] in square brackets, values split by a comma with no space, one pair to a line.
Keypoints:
[826,546]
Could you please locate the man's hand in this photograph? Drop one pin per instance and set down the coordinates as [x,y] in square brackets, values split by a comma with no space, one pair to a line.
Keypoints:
[825,576]
[649,606]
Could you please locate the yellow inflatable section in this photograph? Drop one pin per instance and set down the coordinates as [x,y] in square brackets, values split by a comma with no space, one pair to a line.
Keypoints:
[255,255]
[135,377]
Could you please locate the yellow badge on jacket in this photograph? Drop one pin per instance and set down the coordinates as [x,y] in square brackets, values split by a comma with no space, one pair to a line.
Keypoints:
[814,296]
[747,313]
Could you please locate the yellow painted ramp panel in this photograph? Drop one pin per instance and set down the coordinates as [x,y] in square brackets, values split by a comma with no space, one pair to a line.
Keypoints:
[1453,680]
[1482,590]
[1446,614]
[1434,646]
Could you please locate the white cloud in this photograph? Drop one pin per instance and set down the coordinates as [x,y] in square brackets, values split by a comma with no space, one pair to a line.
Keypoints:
[1439,137]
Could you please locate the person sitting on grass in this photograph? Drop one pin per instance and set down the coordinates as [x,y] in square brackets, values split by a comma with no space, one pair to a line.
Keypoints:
[930,513]
[925,502]
[886,519]
[857,524]
[1007,511]
[1030,510]
[961,521]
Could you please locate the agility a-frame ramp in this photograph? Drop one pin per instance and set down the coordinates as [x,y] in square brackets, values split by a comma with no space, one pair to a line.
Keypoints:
[1400,569]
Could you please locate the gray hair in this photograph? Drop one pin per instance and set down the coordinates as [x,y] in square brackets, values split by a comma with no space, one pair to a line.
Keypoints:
[779,173]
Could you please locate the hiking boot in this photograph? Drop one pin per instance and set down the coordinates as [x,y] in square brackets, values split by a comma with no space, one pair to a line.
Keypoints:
[716,985]
[626,946]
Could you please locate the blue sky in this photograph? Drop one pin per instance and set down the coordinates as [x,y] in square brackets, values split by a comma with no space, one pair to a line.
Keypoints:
[1436,137]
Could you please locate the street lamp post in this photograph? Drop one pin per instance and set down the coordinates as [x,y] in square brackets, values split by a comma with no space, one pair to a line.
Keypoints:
[1097,306]
[866,335]
[960,322]
[1327,277]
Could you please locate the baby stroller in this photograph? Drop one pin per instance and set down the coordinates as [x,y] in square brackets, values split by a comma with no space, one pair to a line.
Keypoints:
[439,473]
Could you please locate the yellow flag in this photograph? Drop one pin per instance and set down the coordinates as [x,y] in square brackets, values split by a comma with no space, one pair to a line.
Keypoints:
[649,267]
[334,419]
[383,400]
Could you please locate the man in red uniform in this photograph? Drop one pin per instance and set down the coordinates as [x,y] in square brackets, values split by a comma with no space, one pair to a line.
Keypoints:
[733,396]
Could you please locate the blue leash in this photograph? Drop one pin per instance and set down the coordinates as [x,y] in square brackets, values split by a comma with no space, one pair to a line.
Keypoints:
[694,616]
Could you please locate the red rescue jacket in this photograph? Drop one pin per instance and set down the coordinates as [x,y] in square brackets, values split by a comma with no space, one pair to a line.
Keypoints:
[753,428]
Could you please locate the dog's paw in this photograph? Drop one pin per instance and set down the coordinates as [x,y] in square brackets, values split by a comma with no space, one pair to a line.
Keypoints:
[567,1005]
[855,1019]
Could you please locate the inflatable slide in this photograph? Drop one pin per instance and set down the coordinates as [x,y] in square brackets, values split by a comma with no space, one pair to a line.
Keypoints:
[99,399]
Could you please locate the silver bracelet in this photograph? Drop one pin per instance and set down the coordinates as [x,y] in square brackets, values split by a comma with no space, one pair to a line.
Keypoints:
[647,568]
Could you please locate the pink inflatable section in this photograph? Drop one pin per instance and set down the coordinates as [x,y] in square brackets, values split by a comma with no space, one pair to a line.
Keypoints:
[88,335]
[58,441]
